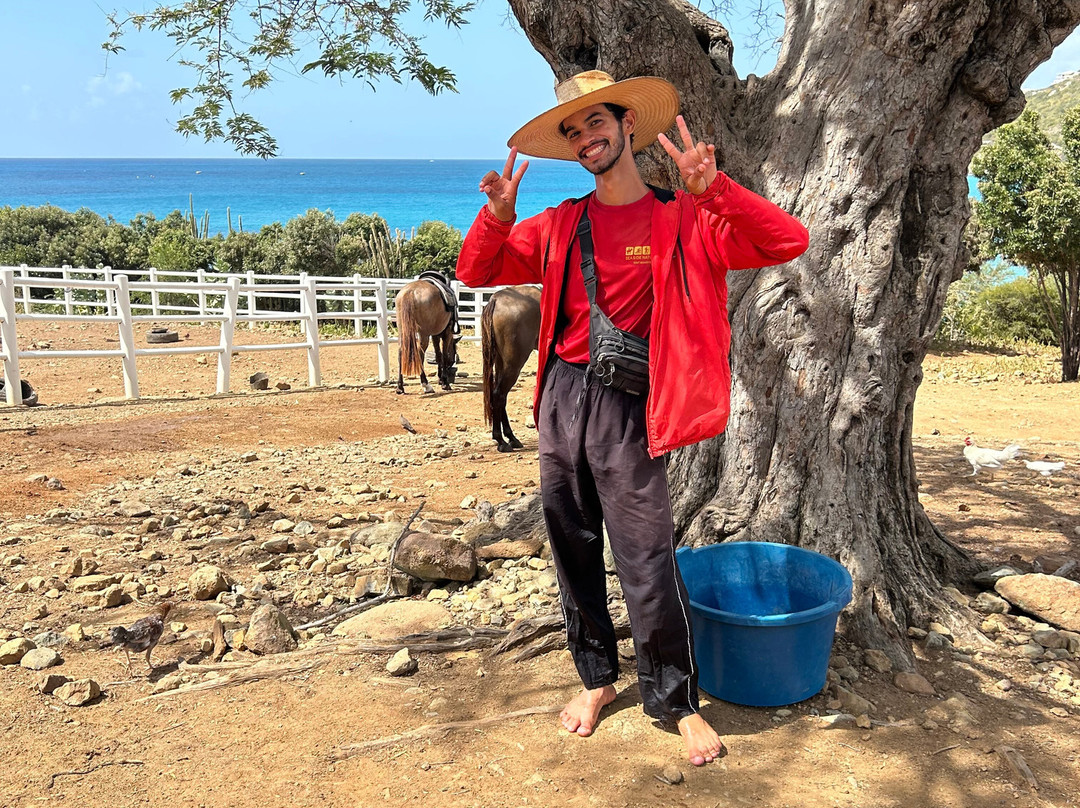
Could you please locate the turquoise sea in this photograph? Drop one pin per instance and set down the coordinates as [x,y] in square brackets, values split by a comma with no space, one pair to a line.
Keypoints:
[404,192]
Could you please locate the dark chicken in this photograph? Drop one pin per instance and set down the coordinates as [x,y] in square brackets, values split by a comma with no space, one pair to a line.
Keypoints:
[142,635]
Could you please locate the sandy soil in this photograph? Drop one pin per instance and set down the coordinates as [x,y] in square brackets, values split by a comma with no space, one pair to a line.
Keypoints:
[285,740]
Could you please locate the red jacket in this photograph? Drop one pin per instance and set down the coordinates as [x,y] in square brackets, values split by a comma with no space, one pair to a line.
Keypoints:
[695,240]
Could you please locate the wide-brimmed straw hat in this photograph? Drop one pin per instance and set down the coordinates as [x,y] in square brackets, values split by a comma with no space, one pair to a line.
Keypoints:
[655,101]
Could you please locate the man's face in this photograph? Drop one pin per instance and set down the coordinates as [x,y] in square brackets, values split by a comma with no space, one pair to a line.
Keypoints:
[598,140]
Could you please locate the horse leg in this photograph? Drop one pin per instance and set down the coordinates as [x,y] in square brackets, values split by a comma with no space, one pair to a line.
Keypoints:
[400,378]
[500,426]
[423,375]
[440,361]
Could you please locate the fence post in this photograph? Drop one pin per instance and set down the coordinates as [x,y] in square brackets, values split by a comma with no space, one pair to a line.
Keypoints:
[228,325]
[25,273]
[110,306]
[201,276]
[12,381]
[66,273]
[251,298]
[309,307]
[155,295]
[382,328]
[127,337]
[357,305]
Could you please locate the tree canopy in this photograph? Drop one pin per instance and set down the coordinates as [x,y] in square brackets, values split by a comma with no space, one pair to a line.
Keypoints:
[1030,215]
[235,47]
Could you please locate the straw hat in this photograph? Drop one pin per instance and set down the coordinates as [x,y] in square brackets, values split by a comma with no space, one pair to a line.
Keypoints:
[655,101]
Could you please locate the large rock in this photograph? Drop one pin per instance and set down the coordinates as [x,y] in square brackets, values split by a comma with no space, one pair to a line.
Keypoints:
[401,664]
[431,557]
[1056,600]
[396,619]
[914,683]
[852,702]
[39,659]
[12,652]
[92,583]
[270,632]
[78,692]
[207,582]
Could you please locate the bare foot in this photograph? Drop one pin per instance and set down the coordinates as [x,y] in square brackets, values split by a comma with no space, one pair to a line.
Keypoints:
[703,745]
[581,713]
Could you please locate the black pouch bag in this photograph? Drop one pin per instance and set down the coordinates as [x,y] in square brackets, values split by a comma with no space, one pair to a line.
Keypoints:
[618,358]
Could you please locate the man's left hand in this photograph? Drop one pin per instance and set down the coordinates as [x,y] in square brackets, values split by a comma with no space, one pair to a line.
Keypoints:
[697,164]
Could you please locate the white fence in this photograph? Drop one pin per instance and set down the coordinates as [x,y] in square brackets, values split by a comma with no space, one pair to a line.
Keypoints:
[107,296]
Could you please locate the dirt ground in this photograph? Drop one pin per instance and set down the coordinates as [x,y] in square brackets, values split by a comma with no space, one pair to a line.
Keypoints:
[285,741]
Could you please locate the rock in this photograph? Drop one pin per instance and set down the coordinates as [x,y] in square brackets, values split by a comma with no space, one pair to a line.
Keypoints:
[112,596]
[987,578]
[431,557]
[50,639]
[958,597]
[864,722]
[283,526]
[270,632]
[401,664]
[671,775]
[1032,651]
[378,534]
[396,619]
[852,702]
[1056,600]
[134,509]
[12,652]
[1072,641]
[78,692]
[167,683]
[279,544]
[989,603]
[75,632]
[1050,639]
[916,633]
[877,660]
[369,584]
[509,548]
[38,659]
[50,681]
[941,629]
[837,720]
[92,583]
[1004,685]
[935,641]
[207,582]
[468,503]
[914,683]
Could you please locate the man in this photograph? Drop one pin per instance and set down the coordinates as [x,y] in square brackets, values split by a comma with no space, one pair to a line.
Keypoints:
[660,261]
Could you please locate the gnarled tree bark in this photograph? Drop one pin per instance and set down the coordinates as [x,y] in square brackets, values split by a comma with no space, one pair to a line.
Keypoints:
[864,130]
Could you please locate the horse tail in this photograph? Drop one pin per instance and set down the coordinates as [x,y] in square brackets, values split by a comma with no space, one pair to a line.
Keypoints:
[491,356]
[412,359]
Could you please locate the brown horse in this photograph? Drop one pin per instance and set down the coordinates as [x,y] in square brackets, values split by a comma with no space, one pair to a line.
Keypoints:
[510,330]
[422,315]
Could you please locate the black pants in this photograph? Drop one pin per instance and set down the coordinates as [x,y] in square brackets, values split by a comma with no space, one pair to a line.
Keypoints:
[595,469]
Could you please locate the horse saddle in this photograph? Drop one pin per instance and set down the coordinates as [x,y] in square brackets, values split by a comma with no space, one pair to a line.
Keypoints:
[438,280]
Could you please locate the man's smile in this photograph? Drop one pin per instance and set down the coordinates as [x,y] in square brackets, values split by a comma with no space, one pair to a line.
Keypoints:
[593,150]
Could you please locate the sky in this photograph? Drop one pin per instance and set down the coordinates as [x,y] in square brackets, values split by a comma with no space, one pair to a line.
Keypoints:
[63,98]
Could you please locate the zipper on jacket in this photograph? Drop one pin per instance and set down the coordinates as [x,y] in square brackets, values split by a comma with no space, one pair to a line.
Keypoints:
[682,262]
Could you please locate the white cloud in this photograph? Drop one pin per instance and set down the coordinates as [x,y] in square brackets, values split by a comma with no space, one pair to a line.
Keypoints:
[121,83]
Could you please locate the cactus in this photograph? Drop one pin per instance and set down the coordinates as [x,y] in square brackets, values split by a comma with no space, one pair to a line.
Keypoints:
[387,257]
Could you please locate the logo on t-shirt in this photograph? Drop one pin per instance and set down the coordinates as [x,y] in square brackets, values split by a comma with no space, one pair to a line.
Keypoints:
[639,254]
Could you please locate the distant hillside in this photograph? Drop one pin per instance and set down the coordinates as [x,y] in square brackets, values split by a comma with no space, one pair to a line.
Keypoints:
[1054,101]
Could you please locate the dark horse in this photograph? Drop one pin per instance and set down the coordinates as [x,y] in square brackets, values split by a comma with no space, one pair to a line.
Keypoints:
[421,315]
[510,329]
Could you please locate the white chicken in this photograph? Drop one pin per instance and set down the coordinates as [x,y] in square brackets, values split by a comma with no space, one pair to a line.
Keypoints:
[1045,467]
[980,458]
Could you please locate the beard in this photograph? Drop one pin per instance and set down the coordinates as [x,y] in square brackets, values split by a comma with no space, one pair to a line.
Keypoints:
[610,157]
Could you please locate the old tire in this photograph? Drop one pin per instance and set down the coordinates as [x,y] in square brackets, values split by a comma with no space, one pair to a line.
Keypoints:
[160,336]
[29,394]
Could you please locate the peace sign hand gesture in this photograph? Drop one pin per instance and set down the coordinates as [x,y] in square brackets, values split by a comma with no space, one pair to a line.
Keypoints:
[502,189]
[697,164]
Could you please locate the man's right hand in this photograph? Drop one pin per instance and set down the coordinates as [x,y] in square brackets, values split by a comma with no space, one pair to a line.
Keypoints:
[501,189]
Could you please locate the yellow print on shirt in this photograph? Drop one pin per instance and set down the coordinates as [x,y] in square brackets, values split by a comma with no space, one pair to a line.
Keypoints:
[638,254]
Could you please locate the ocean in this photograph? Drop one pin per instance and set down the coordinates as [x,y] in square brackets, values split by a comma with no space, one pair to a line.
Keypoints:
[258,192]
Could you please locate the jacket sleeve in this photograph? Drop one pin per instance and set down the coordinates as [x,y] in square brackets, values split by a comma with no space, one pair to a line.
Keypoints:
[743,230]
[496,252]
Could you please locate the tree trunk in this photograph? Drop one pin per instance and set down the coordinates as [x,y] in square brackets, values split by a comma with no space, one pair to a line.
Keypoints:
[864,130]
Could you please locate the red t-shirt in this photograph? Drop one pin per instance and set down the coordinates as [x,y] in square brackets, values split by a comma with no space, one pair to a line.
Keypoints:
[622,235]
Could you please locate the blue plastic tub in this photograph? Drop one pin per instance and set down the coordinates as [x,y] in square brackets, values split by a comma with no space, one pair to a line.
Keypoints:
[764,616]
